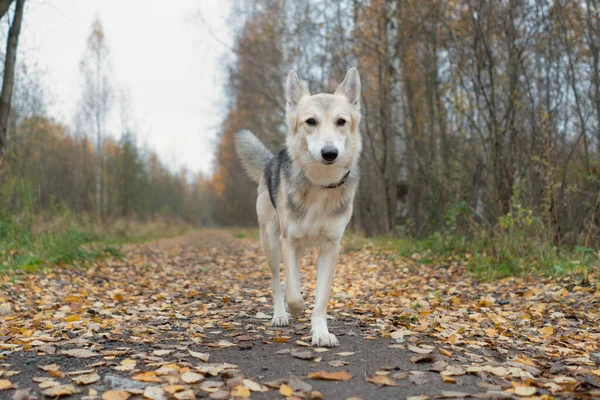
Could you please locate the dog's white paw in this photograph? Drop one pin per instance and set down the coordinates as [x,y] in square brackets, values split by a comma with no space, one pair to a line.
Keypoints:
[280,320]
[324,340]
[295,308]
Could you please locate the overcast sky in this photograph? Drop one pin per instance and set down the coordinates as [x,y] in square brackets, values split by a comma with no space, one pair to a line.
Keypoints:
[162,54]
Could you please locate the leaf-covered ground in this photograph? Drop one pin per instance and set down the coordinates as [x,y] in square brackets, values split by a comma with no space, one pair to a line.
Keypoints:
[189,318]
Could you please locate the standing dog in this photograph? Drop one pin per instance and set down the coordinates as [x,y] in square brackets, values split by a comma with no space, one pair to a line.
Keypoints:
[306,191]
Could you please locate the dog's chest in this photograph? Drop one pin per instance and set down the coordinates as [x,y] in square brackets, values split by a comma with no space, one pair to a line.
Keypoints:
[316,215]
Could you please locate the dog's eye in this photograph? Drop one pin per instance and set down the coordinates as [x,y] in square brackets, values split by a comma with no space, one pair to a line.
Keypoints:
[311,122]
[341,122]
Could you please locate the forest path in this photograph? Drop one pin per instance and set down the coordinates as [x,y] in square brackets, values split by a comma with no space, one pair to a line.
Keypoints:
[189,318]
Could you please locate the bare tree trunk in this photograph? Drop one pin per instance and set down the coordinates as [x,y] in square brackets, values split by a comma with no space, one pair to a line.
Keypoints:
[4,6]
[9,72]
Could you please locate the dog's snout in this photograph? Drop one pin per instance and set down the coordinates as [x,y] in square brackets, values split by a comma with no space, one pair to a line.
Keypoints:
[329,153]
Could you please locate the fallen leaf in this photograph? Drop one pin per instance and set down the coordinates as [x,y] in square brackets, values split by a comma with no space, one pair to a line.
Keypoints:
[201,356]
[240,391]
[546,331]
[345,353]
[286,390]
[62,390]
[448,394]
[161,353]
[116,395]
[211,386]
[380,380]
[79,353]
[86,379]
[191,377]
[422,359]
[5,384]
[154,393]
[173,388]
[148,376]
[338,363]
[303,355]
[419,350]
[330,376]
[185,395]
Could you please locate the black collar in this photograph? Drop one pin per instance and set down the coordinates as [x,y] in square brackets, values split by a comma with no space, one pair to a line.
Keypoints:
[338,184]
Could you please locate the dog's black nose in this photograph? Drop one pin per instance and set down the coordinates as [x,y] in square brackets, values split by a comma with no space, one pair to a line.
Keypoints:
[329,153]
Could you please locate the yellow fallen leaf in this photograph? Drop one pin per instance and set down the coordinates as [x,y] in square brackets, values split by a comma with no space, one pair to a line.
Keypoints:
[491,332]
[148,376]
[546,331]
[87,378]
[280,339]
[380,380]
[116,395]
[62,390]
[173,388]
[5,384]
[445,352]
[240,391]
[72,318]
[331,376]
[525,360]
[286,390]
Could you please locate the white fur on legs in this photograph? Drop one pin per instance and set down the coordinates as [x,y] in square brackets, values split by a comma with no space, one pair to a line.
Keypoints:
[272,251]
[325,271]
[293,296]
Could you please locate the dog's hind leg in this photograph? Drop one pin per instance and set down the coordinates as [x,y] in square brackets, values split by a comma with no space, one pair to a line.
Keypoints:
[293,296]
[325,270]
[270,239]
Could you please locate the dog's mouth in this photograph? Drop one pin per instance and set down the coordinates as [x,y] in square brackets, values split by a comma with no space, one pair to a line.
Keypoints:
[328,162]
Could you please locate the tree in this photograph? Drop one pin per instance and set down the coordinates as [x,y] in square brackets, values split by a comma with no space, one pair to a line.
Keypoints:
[9,69]
[96,103]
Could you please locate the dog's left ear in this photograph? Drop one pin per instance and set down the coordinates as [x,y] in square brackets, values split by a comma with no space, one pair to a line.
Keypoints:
[350,87]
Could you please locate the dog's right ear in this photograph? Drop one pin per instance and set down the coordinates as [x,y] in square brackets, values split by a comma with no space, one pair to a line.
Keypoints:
[294,90]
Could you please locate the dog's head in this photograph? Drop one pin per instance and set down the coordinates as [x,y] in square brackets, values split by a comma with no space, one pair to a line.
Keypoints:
[324,127]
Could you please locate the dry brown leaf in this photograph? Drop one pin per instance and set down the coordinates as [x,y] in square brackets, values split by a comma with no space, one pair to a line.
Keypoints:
[331,376]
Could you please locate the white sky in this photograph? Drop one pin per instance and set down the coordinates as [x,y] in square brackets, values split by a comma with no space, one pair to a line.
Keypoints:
[162,54]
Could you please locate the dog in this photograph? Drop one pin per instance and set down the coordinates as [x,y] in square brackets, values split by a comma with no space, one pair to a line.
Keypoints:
[306,192]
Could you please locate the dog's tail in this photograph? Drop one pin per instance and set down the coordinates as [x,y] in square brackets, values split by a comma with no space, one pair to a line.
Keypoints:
[253,153]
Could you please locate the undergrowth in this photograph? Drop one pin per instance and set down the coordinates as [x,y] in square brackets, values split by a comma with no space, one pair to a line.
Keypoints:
[30,243]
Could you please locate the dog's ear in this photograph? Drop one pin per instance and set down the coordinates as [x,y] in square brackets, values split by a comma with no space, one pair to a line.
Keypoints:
[294,90]
[350,87]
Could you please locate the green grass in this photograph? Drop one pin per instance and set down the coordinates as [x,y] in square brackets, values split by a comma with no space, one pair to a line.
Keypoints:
[499,255]
[20,248]
[31,244]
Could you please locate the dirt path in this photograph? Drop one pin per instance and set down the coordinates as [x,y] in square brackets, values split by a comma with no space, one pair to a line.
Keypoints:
[189,318]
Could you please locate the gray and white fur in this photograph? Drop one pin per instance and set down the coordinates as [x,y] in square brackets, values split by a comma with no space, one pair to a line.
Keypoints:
[306,192]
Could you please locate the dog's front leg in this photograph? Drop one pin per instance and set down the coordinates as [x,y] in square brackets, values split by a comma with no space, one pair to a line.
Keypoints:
[293,296]
[325,270]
